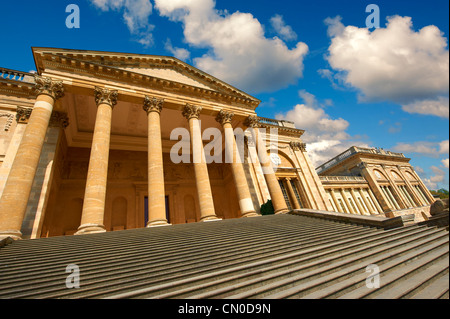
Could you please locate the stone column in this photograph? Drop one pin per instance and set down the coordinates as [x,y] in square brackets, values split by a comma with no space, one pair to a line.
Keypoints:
[336,202]
[278,202]
[156,190]
[425,190]
[379,208]
[232,153]
[17,189]
[292,194]
[355,199]
[347,203]
[95,194]
[207,212]
[394,188]
[369,207]
[378,193]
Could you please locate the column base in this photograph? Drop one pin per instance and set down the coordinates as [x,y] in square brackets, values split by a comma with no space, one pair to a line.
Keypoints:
[90,229]
[282,211]
[13,234]
[250,214]
[210,219]
[158,223]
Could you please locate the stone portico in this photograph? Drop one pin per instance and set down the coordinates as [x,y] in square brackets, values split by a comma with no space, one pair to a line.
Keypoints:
[91,149]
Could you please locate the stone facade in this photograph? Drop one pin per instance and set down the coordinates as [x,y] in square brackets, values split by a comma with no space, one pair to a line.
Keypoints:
[87,146]
[375,181]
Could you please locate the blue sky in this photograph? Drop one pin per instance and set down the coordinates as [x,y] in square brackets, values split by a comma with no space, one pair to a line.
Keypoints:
[311,62]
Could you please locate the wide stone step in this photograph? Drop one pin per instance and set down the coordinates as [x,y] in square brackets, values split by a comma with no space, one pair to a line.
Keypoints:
[319,278]
[240,258]
[282,266]
[102,261]
[58,279]
[435,290]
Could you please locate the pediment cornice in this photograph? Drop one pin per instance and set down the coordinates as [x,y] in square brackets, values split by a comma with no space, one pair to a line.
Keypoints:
[117,67]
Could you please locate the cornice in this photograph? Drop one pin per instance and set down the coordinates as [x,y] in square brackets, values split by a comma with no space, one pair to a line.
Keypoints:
[17,88]
[118,59]
[112,72]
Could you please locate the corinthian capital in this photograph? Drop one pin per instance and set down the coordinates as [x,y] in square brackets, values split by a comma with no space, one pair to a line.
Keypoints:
[224,117]
[298,146]
[45,85]
[252,121]
[105,96]
[59,119]
[23,114]
[153,104]
[192,111]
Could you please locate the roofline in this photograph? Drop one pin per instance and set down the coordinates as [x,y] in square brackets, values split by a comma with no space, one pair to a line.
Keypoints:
[34,49]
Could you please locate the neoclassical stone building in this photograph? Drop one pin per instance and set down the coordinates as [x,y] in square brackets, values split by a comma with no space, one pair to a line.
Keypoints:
[87,146]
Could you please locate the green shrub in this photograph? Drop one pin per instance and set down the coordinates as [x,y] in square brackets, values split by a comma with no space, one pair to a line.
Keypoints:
[267,208]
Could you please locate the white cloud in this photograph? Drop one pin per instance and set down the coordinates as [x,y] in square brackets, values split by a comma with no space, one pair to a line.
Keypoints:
[430,149]
[435,179]
[239,53]
[445,163]
[438,107]
[283,30]
[430,184]
[326,137]
[443,147]
[136,15]
[394,63]
[179,53]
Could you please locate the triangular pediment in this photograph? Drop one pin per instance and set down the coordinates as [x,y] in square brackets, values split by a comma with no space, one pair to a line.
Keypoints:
[158,67]
[170,75]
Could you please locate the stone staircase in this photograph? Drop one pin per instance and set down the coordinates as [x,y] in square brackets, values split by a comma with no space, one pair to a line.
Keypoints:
[282,256]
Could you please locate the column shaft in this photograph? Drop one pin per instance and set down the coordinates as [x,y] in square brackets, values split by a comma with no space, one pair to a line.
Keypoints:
[242,189]
[358,204]
[13,203]
[349,206]
[156,190]
[276,194]
[17,189]
[369,207]
[207,211]
[92,217]
[292,194]
[336,202]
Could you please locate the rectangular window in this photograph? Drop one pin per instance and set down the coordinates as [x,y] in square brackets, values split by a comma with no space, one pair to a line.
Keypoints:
[285,194]
[297,195]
